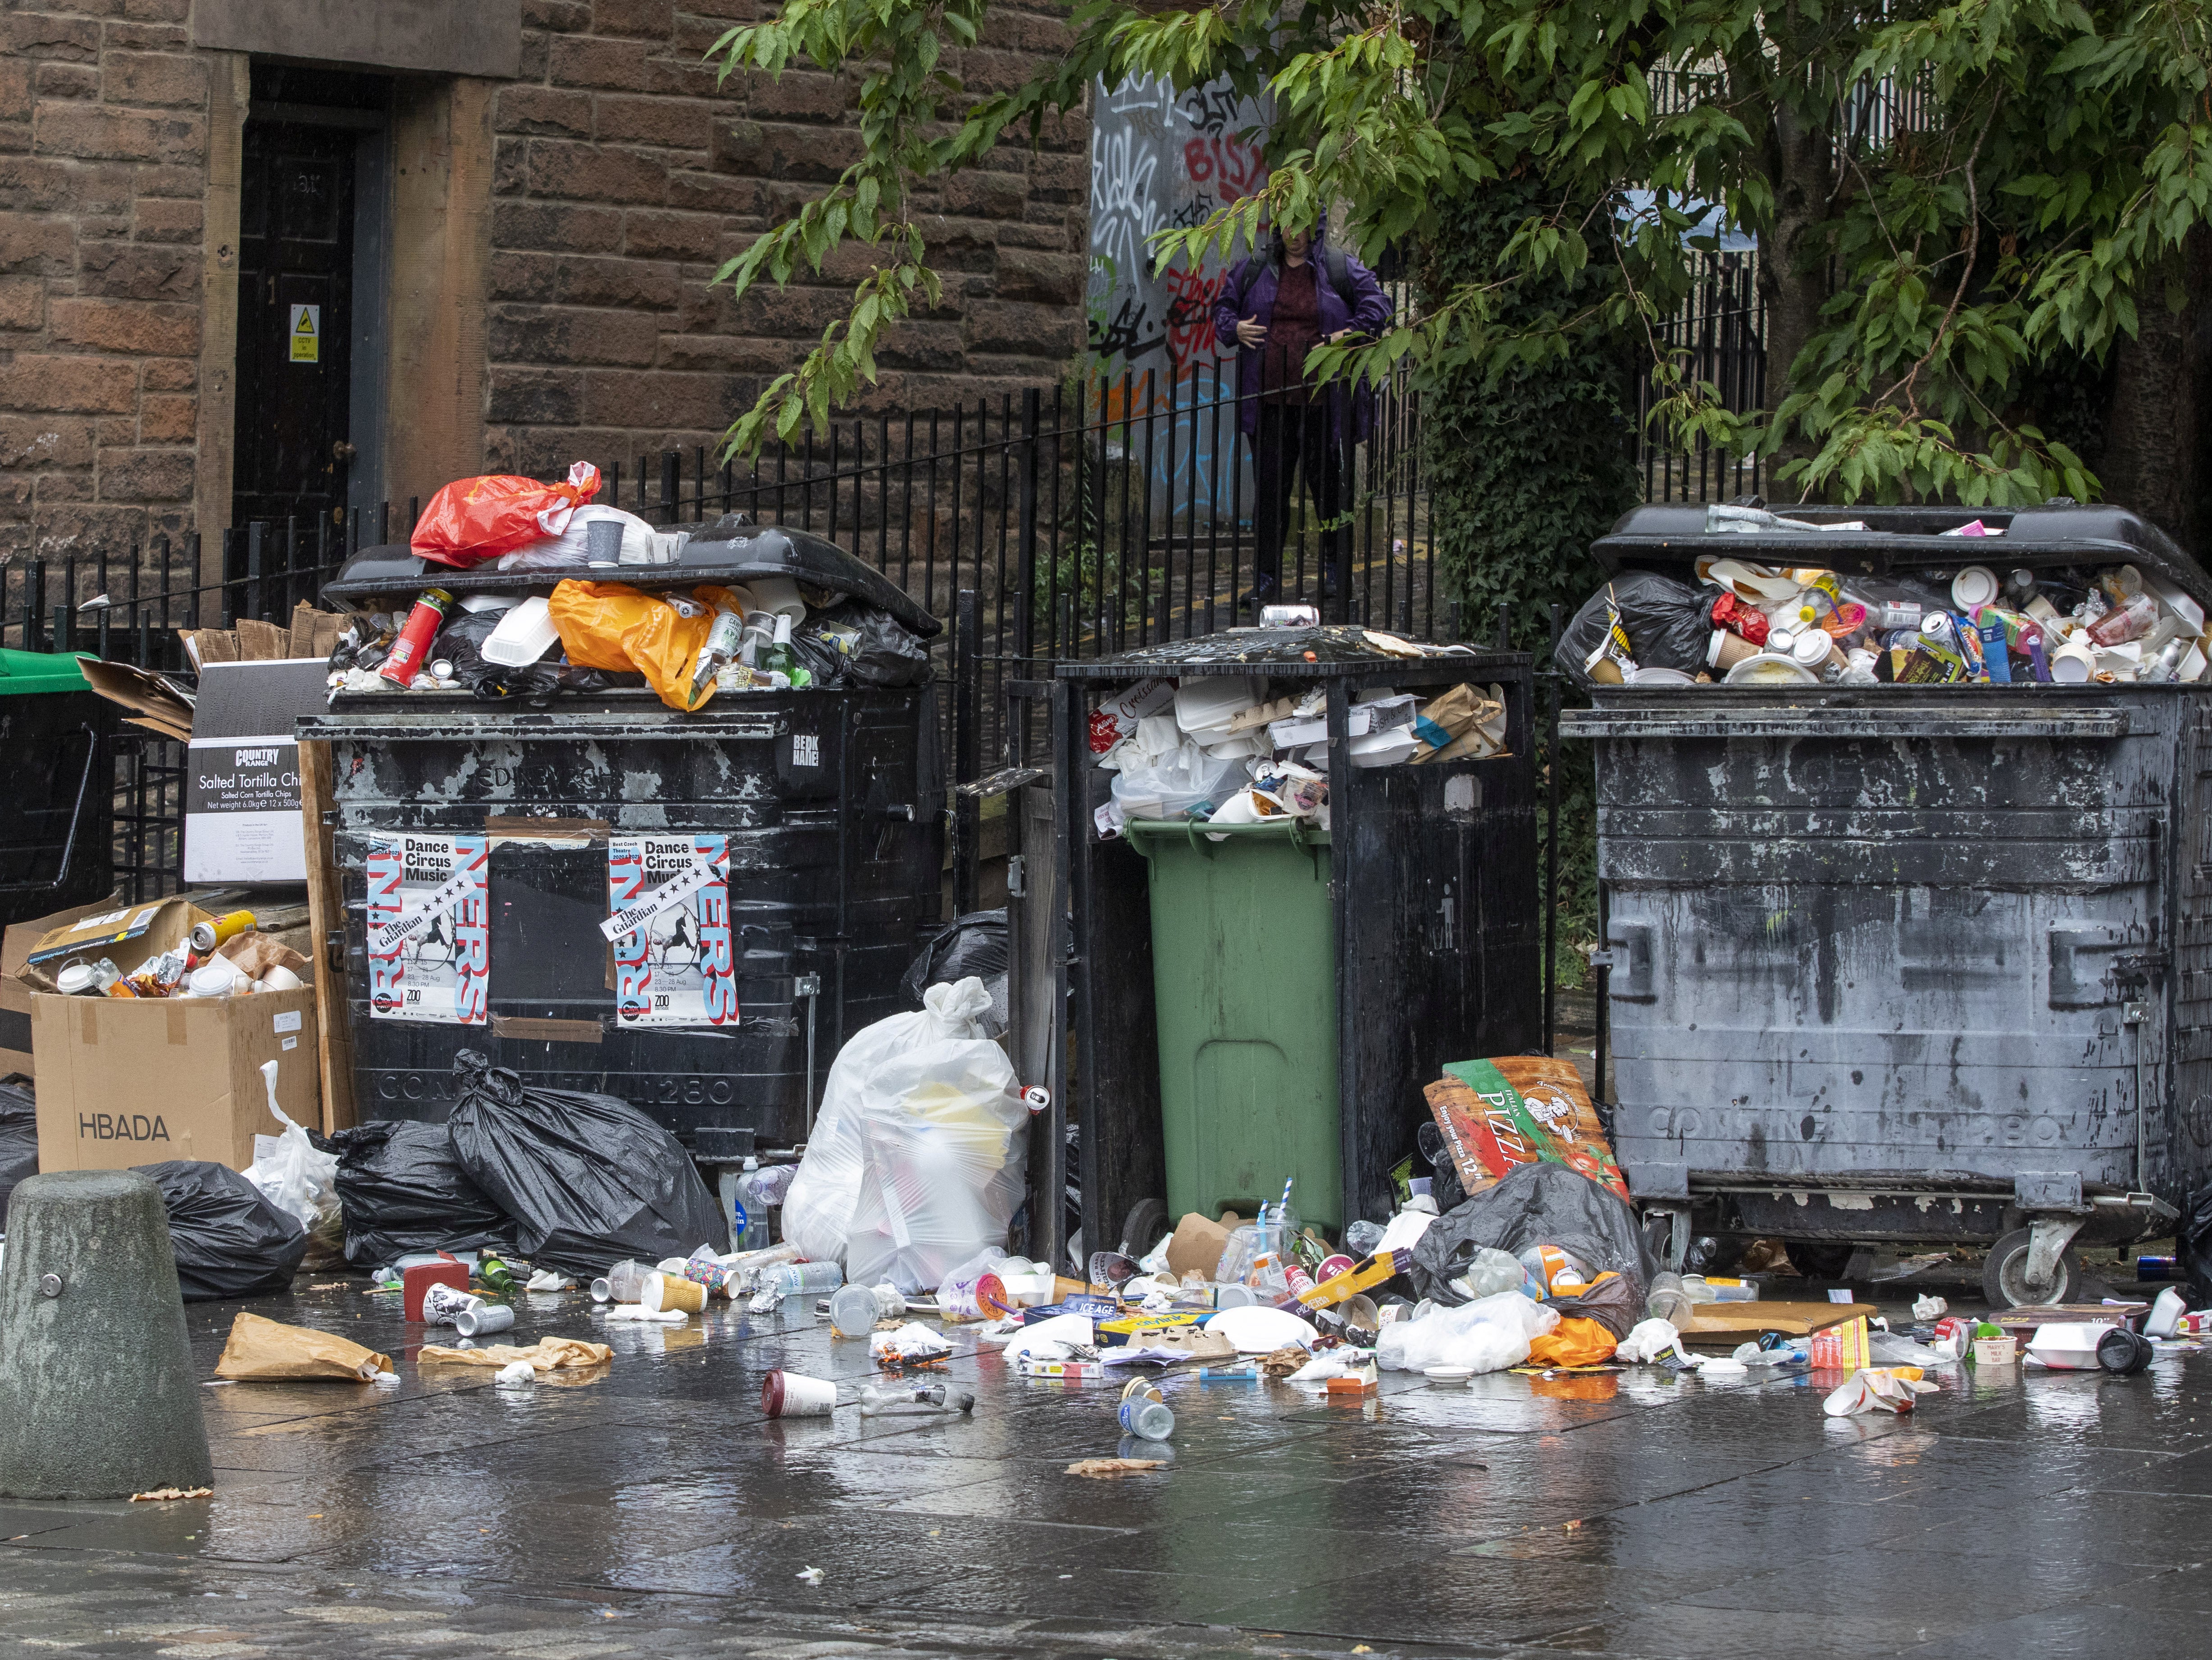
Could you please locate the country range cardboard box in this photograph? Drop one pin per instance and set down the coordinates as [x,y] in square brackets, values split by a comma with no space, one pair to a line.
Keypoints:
[126,1081]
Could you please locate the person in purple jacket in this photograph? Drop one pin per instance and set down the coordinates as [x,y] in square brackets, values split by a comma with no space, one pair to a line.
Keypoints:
[1273,311]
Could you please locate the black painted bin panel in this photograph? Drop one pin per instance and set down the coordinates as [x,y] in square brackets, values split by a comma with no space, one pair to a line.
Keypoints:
[1434,886]
[832,802]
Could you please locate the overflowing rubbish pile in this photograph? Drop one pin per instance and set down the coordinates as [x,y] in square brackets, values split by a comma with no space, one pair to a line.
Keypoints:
[219,957]
[1247,750]
[556,592]
[1743,624]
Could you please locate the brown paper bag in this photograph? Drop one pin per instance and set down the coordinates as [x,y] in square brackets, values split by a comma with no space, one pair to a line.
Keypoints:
[546,1354]
[263,1351]
[1197,1245]
[257,953]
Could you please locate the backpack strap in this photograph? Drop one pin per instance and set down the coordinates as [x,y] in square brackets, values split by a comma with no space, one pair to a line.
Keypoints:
[1340,275]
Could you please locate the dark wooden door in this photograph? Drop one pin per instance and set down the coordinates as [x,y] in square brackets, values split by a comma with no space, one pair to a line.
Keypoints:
[294,323]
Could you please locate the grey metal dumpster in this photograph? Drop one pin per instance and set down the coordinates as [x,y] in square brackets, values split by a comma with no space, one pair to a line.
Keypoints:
[1905,963]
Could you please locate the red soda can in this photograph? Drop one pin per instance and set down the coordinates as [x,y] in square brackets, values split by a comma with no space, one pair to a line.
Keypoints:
[1301,1282]
[414,642]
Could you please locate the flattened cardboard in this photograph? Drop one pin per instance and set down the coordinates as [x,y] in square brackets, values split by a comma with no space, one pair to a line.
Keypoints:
[161,704]
[1724,1325]
[126,1082]
[1197,1246]
[127,935]
[15,996]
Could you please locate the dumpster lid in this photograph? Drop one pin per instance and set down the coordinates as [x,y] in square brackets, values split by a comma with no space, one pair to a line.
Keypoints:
[1672,536]
[1289,655]
[723,552]
[22,672]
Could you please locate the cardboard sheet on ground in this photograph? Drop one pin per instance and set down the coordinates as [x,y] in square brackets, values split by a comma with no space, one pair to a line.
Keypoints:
[1518,1109]
[1724,1325]
[546,1354]
[2028,1316]
[265,1351]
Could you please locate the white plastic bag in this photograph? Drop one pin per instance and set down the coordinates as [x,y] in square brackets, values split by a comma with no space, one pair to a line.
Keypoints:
[1187,783]
[641,544]
[945,1138]
[299,1180]
[1488,1335]
[817,1211]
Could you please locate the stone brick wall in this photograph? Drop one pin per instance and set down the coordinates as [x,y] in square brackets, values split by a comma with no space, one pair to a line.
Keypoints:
[103,140]
[622,177]
[625,178]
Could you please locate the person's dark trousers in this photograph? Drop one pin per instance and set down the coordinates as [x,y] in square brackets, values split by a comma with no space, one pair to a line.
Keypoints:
[1291,447]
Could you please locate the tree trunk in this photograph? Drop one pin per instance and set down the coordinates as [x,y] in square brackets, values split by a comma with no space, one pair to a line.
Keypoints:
[2156,428]
[1793,261]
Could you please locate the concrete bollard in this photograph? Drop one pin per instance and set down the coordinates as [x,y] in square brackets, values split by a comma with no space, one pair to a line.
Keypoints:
[98,1399]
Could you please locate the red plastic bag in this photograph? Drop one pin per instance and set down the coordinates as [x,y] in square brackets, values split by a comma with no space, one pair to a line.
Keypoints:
[473,520]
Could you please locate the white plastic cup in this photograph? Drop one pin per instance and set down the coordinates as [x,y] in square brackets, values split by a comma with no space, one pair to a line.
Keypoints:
[795,1394]
[442,1305]
[483,1318]
[2073,663]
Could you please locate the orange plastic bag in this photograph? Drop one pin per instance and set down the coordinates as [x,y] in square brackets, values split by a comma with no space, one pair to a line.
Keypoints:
[473,520]
[1573,1342]
[611,625]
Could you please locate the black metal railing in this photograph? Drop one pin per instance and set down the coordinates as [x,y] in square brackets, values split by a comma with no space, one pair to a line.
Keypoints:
[1095,517]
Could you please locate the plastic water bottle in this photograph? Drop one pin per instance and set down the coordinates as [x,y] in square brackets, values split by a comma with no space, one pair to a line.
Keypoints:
[803,1279]
[753,1235]
[1495,1271]
[914,1399]
[1144,1412]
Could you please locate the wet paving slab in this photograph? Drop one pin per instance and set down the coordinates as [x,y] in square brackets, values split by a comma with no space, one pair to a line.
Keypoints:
[649,1506]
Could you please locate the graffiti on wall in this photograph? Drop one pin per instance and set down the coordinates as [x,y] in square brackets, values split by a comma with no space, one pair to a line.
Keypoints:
[1159,160]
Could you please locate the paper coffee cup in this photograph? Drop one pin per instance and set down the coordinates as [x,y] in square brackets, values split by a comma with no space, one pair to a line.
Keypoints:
[442,1305]
[794,1394]
[280,978]
[2073,663]
[667,1293]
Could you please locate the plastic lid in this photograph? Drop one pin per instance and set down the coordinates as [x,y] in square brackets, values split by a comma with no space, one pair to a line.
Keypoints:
[1977,585]
[26,671]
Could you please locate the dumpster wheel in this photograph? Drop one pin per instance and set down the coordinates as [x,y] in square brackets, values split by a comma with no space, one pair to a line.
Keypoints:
[2004,1275]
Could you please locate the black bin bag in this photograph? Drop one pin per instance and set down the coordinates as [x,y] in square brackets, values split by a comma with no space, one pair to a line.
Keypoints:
[230,1242]
[403,1191]
[588,1179]
[1669,625]
[1538,1204]
[19,1137]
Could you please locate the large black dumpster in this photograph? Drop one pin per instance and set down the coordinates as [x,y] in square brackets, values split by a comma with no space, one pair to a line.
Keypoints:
[1911,962]
[57,817]
[831,802]
[1430,901]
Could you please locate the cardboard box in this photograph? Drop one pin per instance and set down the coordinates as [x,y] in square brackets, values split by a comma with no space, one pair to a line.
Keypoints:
[126,1082]
[127,935]
[15,996]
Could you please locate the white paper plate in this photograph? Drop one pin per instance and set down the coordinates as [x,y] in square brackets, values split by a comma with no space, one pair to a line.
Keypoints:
[1262,1331]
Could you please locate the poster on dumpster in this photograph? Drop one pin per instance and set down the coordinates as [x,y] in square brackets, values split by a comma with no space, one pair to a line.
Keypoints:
[668,918]
[1517,1109]
[429,935]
